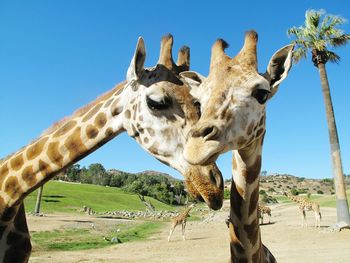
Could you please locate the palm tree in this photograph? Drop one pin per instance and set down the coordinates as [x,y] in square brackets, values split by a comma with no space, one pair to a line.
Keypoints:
[319,33]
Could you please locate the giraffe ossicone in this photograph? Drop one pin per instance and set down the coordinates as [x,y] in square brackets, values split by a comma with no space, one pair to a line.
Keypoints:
[154,106]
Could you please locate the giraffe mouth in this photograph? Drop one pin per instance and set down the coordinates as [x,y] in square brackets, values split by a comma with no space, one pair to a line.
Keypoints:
[205,183]
[201,152]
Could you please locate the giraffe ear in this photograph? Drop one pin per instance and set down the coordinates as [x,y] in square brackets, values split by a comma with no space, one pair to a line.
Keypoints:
[194,80]
[279,66]
[136,69]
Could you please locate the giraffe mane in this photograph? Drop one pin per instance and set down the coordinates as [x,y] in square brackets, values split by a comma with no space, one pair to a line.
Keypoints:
[84,109]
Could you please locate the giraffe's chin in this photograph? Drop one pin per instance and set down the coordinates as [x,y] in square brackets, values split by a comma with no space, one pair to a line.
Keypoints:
[205,183]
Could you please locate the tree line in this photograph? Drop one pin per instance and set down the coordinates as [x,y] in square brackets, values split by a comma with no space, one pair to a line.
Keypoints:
[164,189]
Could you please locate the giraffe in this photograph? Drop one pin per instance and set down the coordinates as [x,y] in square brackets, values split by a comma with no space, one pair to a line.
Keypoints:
[264,210]
[154,106]
[233,118]
[180,219]
[306,205]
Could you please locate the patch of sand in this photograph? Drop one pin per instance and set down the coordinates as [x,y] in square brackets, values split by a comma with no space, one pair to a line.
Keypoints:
[208,241]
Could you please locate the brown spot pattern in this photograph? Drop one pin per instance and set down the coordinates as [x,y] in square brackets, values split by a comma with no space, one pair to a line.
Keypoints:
[100,120]
[54,154]
[44,167]
[256,256]
[154,148]
[108,103]
[145,140]
[259,132]
[254,170]
[253,204]
[19,250]
[20,221]
[2,206]
[115,108]
[92,112]
[252,231]
[65,128]
[236,199]
[28,176]
[17,162]
[9,213]
[150,131]
[4,170]
[74,144]
[91,131]
[127,114]
[241,140]
[250,128]
[2,230]
[109,132]
[12,187]
[34,150]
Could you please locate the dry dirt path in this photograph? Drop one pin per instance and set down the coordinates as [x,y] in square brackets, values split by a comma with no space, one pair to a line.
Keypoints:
[209,242]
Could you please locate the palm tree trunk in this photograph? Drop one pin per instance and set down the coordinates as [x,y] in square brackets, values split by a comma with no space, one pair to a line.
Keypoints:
[38,200]
[342,203]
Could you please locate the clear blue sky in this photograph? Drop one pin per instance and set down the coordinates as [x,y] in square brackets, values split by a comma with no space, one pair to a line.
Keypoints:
[56,56]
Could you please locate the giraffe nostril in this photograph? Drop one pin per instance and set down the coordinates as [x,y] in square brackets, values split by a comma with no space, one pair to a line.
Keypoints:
[207,131]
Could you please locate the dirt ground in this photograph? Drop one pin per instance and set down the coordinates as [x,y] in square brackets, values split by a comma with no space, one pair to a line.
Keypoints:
[208,241]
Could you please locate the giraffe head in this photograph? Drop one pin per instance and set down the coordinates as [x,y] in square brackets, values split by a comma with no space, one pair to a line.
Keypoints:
[158,112]
[233,113]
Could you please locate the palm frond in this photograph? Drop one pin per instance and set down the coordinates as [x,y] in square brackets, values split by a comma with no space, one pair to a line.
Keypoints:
[312,17]
[332,57]
[319,32]
[339,41]
[299,54]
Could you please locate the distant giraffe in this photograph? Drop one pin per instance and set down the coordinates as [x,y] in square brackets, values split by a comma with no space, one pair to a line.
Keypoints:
[180,219]
[261,211]
[306,205]
[264,210]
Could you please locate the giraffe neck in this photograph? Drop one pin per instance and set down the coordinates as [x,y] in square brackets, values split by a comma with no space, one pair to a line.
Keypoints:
[14,235]
[186,212]
[246,245]
[63,144]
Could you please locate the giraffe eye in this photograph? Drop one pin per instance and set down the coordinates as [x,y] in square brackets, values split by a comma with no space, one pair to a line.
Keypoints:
[261,95]
[162,104]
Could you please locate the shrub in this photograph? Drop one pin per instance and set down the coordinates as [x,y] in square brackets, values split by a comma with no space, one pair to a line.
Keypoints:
[320,192]
[294,191]
[262,192]
[227,194]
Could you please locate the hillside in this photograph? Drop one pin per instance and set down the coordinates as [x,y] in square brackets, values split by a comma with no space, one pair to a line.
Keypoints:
[279,183]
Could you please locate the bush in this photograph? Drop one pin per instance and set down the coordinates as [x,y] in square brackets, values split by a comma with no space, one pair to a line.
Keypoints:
[294,191]
[262,192]
[320,192]
[227,194]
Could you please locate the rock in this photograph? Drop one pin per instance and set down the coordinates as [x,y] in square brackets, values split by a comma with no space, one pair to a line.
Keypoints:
[115,240]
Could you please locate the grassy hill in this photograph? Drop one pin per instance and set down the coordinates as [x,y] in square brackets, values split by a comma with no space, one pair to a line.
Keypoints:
[71,197]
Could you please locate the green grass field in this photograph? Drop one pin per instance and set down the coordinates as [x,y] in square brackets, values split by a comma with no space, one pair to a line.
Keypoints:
[79,238]
[71,197]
